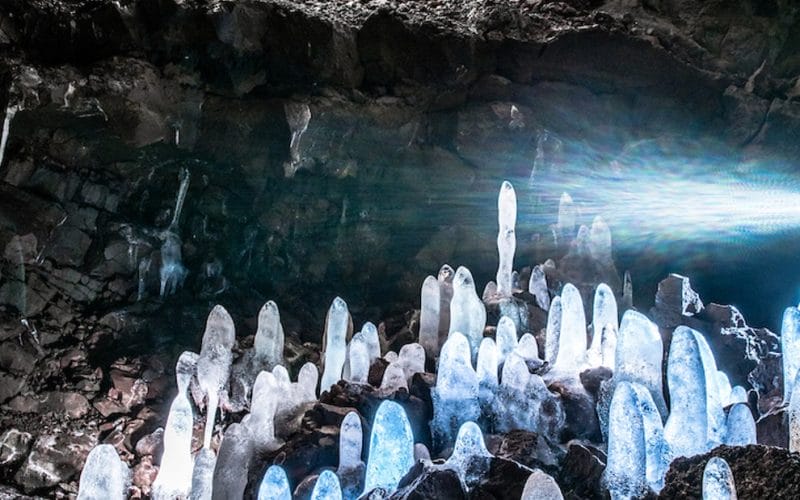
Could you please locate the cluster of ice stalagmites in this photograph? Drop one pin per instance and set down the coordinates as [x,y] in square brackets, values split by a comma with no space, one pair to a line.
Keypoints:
[485,384]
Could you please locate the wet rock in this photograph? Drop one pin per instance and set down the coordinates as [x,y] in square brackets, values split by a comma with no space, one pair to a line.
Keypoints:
[504,480]
[529,449]
[674,300]
[423,482]
[14,446]
[581,471]
[759,472]
[54,458]
[772,429]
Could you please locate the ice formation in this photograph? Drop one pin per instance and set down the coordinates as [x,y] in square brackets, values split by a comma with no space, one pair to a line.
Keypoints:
[412,359]
[527,348]
[203,474]
[393,378]
[391,448]
[794,418]
[600,241]
[327,487]
[268,343]
[263,407]
[738,395]
[104,475]
[572,338]
[335,342]
[553,331]
[307,381]
[11,110]
[541,486]
[718,481]
[537,286]
[370,334]
[274,485]
[467,312]
[171,272]
[351,467]
[175,472]
[637,452]
[639,355]
[627,291]
[185,369]
[469,457]
[506,238]
[608,347]
[520,397]
[505,338]
[487,374]
[214,363]
[429,316]
[445,278]
[790,347]
[740,428]
[359,359]
[567,214]
[298,115]
[233,462]
[604,316]
[696,420]
[455,396]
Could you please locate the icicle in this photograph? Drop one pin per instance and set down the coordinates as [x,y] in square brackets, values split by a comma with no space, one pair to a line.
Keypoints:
[10,112]
[203,474]
[185,177]
[359,359]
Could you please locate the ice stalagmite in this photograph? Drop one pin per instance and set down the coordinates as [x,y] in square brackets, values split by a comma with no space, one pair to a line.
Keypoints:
[627,291]
[327,487]
[718,481]
[214,363]
[233,463]
[445,278]
[391,448]
[639,356]
[790,347]
[307,381]
[625,473]
[520,397]
[553,331]
[274,485]
[351,467]
[185,369]
[527,348]
[175,472]
[104,475]
[506,338]
[738,395]
[571,355]
[268,343]
[467,312]
[370,334]
[794,418]
[335,343]
[412,359]
[203,474]
[429,316]
[487,374]
[263,407]
[455,396]
[469,457]
[604,315]
[724,387]
[541,486]
[359,359]
[600,241]
[506,238]
[537,286]
[608,347]
[657,451]
[740,428]
[567,214]
[394,378]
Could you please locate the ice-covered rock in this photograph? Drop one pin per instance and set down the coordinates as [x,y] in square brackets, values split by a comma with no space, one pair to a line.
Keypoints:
[203,474]
[104,475]
[537,286]
[391,448]
[718,483]
[274,485]
[553,331]
[506,238]
[429,316]
[335,343]
[214,363]
[541,486]
[467,312]
[505,338]
[174,478]
[740,428]
[327,487]
[571,355]
[268,342]
[790,348]
[455,396]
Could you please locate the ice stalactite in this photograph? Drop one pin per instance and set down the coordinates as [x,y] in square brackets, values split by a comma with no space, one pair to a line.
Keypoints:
[553,331]
[696,420]
[537,286]
[335,343]
[274,485]
[541,486]
[104,475]
[203,474]
[233,463]
[470,458]
[740,427]
[185,178]
[445,279]
[11,110]
[571,355]
[637,453]
[327,487]
[391,448]
[214,363]
[467,312]
[429,316]
[455,396]
[506,237]
[269,339]
[298,116]
[790,347]
[718,483]
[351,467]
[604,316]
[505,338]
